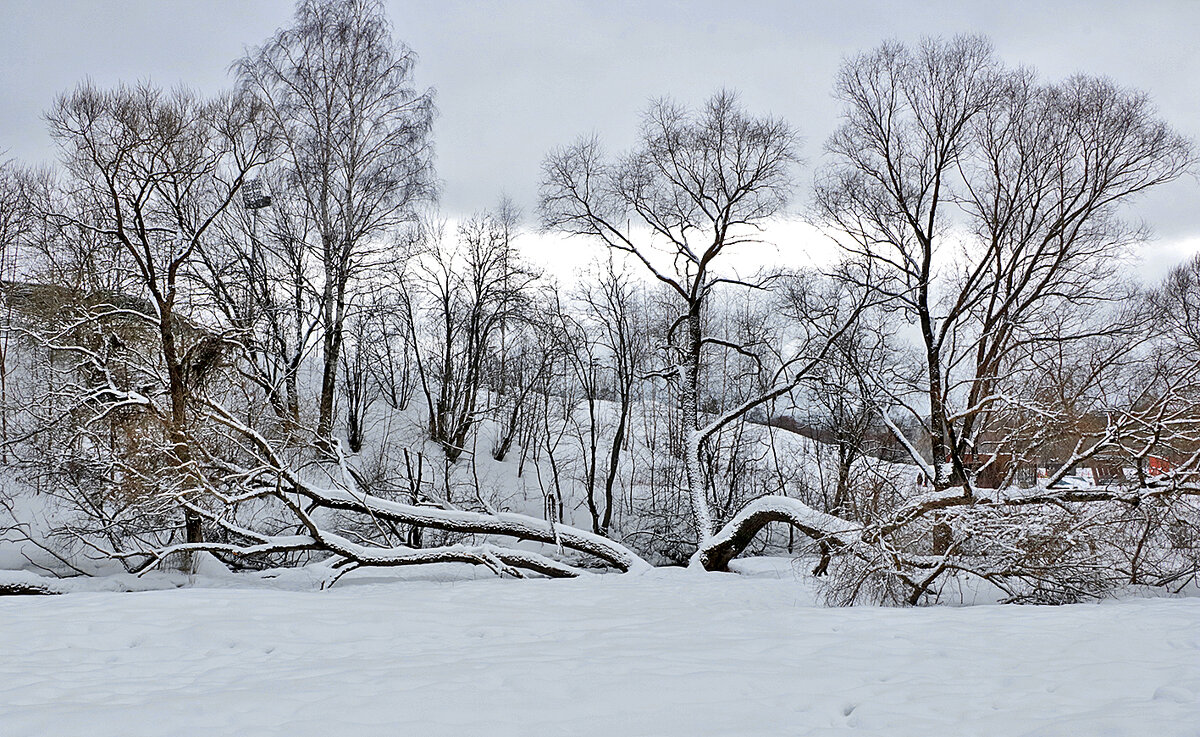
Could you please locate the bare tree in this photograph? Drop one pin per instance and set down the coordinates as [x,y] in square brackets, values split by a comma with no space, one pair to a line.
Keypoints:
[355,144]
[16,224]
[988,201]
[467,288]
[360,390]
[841,404]
[611,305]
[699,184]
[1177,305]
[154,171]
[580,354]
[907,126]
[258,278]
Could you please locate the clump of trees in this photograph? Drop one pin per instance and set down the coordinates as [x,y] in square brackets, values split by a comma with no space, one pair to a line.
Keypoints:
[334,376]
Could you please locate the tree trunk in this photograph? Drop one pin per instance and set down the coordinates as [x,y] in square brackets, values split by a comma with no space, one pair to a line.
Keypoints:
[614,460]
[689,406]
[333,349]
[177,432]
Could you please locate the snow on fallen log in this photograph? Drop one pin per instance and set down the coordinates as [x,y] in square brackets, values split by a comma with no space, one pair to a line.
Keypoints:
[24,583]
[715,553]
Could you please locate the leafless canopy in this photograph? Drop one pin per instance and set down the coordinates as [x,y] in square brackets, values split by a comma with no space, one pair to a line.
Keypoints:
[355,141]
[990,202]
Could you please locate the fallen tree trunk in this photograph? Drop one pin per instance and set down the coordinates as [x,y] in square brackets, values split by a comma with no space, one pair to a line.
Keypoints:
[274,479]
[716,552]
[836,533]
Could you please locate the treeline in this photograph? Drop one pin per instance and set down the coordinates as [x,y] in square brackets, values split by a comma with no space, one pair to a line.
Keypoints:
[237,326]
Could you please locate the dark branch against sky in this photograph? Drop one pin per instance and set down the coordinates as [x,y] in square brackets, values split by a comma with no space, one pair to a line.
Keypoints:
[514,79]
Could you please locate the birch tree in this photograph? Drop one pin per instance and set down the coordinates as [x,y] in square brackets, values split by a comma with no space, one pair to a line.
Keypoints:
[354,144]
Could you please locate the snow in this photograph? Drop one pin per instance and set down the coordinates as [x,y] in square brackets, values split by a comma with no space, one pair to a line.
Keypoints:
[797,512]
[667,652]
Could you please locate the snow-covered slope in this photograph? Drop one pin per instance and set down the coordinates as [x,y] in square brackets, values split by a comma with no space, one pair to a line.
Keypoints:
[671,652]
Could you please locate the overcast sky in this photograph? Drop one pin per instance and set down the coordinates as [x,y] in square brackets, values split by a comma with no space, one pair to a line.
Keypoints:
[514,79]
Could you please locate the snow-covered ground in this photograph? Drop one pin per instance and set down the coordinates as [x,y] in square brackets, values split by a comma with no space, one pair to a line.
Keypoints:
[672,652]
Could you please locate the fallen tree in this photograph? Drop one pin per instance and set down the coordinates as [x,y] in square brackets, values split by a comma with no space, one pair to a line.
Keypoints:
[271,479]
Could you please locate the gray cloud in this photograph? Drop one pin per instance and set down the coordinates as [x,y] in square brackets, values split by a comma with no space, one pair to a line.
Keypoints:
[515,79]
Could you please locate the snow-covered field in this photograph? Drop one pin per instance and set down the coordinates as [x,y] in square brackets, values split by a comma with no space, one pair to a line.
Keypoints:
[672,652]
